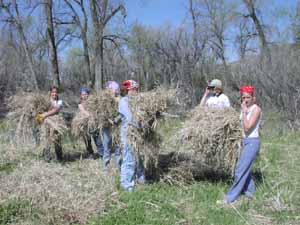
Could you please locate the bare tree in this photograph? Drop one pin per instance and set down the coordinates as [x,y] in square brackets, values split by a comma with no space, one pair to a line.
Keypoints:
[51,42]
[265,51]
[102,12]
[296,24]
[15,18]
[244,34]
[81,20]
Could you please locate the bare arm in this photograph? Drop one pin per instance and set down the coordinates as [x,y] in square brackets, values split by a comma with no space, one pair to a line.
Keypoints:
[204,98]
[83,110]
[248,124]
[51,112]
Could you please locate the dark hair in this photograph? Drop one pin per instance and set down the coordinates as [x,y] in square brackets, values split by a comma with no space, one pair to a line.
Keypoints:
[123,91]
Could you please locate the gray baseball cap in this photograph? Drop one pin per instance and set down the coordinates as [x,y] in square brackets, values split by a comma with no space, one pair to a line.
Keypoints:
[215,83]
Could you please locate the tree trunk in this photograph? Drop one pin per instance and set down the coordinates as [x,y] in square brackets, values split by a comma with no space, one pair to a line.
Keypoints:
[265,51]
[33,76]
[90,80]
[51,43]
[99,70]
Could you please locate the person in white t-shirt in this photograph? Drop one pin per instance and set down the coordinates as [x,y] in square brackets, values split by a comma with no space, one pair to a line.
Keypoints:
[54,109]
[214,97]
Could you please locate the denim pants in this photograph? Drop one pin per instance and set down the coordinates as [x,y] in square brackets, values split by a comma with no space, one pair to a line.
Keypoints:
[132,166]
[243,181]
[98,143]
[107,145]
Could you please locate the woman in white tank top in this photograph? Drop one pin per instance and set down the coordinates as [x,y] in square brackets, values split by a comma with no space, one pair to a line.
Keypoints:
[250,120]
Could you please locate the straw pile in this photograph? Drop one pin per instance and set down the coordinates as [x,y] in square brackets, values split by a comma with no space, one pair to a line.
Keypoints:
[53,128]
[102,108]
[79,126]
[63,194]
[23,108]
[147,108]
[208,142]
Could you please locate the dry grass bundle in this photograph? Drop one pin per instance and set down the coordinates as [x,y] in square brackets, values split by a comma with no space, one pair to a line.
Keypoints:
[146,142]
[102,108]
[23,109]
[79,124]
[53,128]
[64,194]
[146,108]
[211,138]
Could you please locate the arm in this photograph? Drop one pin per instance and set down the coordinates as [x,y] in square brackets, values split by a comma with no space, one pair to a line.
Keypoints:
[249,124]
[51,112]
[83,110]
[204,98]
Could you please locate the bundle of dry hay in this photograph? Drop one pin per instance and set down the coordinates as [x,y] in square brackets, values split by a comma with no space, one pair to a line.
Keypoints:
[23,108]
[208,142]
[53,128]
[103,108]
[147,108]
[63,194]
[79,126]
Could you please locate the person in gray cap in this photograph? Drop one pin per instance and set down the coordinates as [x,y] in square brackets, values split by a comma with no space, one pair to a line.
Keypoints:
[214,97]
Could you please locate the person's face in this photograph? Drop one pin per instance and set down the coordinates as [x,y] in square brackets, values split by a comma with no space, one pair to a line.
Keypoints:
[84,96]
[210,89]
[54,94]
[132,92]
[248,99]
[217,91]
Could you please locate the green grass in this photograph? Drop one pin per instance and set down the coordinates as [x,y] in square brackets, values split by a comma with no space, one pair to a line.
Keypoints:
[13,211]
[277,199]
[7,167]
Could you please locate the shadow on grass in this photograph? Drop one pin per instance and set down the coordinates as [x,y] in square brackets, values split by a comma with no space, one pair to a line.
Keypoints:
[75,156]
[182,167]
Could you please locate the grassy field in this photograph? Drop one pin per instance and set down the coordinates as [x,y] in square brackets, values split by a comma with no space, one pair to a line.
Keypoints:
[78,192]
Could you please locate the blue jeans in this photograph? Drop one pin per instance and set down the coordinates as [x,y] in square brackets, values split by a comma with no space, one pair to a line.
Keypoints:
[107,144]
[243,181]
[131,166]
[98,143]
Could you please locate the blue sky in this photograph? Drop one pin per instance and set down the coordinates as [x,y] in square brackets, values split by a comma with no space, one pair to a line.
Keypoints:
[160,12]
[156,12]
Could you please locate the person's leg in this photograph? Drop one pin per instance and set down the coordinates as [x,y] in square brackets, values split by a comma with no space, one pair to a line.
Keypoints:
[249,188]
[46,139]
[88,144]
[128,169]
[98,143]
[106,141]
[243,169]
[58,147]
[118,158]
[140,170]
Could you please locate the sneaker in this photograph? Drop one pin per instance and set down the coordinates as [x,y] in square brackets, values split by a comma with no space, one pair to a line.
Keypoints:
[223,203]
[141,180]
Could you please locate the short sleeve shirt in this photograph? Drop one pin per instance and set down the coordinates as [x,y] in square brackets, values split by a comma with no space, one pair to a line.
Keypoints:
[57,104]
[218,102]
